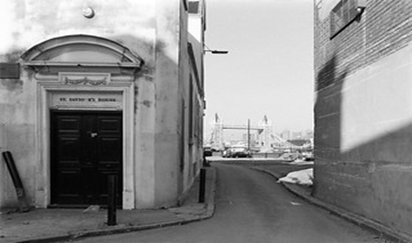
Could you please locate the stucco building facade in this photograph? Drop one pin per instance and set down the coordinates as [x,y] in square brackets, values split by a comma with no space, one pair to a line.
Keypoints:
[363,118]
[94,88]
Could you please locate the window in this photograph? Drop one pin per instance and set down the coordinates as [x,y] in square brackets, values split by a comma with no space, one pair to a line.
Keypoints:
[194,7]
[343,14]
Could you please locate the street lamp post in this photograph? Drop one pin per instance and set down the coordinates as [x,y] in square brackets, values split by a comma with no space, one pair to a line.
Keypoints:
[248,134]
[217,51]
[207,49]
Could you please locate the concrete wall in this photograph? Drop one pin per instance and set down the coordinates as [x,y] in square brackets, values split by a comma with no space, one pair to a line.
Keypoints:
[363,118]
[194,93]
[155,31]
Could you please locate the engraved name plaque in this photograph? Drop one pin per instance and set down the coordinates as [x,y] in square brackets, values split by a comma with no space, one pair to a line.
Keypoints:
[87,100]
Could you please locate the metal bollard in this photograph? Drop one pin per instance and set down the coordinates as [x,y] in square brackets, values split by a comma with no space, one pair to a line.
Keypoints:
[205,163]
[202,185]
[111,200]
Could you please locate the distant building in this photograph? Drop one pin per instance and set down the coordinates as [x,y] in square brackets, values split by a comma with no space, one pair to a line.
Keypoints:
[98,89]
[297,135]
[308,134]
[285,135]
[363,118]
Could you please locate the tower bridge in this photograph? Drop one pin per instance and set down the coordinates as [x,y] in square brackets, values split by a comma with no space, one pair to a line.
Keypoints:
[266,138]
[243,127]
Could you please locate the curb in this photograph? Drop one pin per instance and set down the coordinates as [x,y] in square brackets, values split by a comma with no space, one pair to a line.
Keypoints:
[209,206]
[375,227]
[101,232]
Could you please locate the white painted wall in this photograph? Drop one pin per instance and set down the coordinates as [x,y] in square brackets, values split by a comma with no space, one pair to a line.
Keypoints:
[151,30]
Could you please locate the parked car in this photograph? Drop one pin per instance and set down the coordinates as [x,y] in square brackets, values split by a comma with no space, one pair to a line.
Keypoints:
[215,149]
[207,151]
[308,156]
[290,156]
[238,152]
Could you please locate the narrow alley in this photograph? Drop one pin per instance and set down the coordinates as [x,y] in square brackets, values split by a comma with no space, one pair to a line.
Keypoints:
[252,207]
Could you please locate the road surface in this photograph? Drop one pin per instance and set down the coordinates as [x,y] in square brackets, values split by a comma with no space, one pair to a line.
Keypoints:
[252,207]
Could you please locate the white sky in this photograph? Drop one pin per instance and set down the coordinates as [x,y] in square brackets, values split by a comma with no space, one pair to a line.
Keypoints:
[269,68]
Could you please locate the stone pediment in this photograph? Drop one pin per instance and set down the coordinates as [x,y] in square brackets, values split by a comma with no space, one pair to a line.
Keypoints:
[81,50]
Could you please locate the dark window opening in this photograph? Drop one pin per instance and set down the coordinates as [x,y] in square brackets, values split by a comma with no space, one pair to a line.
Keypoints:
[194,7]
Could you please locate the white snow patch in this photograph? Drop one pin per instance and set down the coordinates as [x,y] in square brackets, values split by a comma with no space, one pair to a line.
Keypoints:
[301,177]
[301,162]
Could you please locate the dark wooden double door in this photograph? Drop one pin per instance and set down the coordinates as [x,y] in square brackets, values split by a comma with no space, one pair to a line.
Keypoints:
[86,147]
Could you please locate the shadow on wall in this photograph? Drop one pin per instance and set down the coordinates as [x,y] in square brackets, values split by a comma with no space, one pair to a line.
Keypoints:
[151,92]
[328,108]
[154,54]
[372,179]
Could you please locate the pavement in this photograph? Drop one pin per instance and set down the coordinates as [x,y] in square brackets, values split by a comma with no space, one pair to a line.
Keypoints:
[56,225]
[305,192]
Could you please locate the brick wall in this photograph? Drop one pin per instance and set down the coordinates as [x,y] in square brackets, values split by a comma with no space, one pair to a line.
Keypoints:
[363,112]
[384,28]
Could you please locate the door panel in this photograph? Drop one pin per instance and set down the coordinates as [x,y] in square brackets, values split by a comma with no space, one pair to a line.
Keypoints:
[67,191]
[86,147]
[69,150]
[69,124]
[109,142]
[109,124]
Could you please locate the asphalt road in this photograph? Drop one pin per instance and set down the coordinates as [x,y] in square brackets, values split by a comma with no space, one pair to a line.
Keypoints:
[252,207]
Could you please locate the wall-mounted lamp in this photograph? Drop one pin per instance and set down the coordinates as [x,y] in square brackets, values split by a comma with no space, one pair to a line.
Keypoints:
[361,6]
[88,12]
[360,9]
[207,49]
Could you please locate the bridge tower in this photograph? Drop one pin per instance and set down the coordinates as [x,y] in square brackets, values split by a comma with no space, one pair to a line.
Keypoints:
[217,133]
[265,133]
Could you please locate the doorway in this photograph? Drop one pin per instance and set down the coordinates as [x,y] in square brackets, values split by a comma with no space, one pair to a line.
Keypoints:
[86,147]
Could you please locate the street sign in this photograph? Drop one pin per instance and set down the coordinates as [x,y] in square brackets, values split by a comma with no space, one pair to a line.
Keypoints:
[9,70]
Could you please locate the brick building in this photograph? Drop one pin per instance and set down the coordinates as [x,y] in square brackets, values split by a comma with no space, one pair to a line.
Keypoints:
[363,110]
[95,88]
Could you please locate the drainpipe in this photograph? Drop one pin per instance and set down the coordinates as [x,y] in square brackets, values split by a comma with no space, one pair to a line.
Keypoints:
[18,185]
